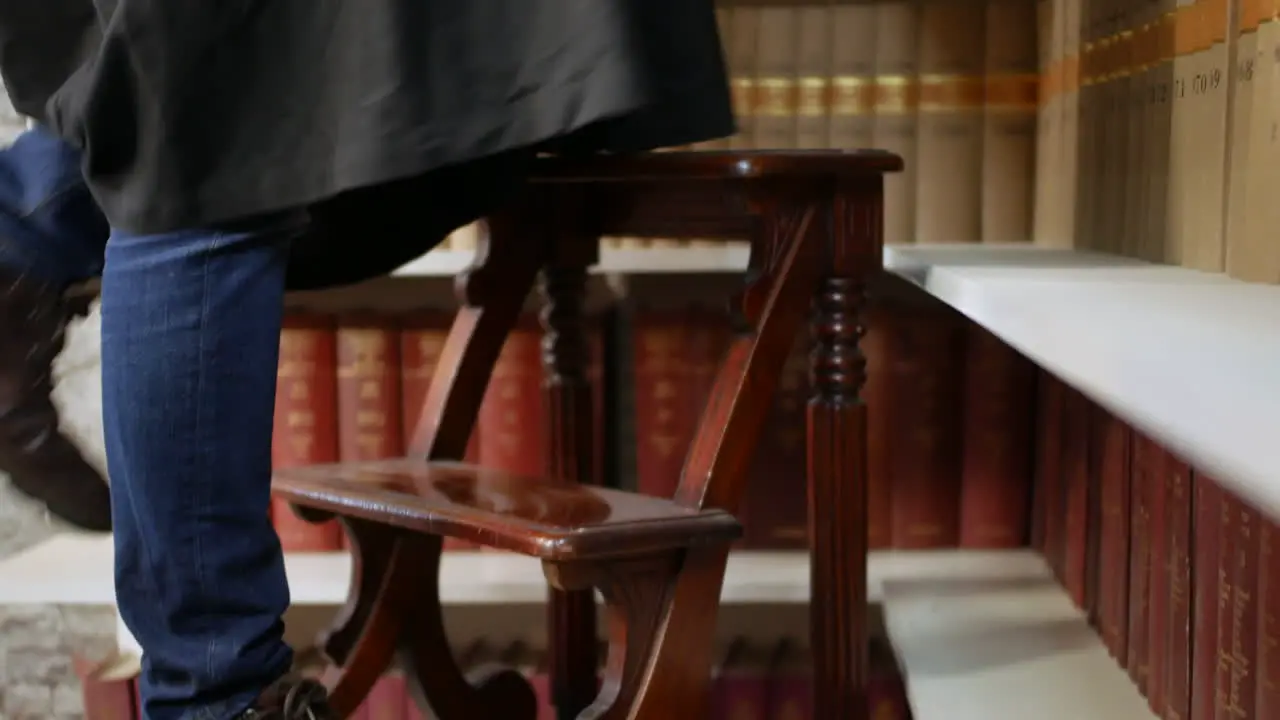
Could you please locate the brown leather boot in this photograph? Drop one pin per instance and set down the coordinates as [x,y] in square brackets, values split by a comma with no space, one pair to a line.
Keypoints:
[39,460]
[291,698]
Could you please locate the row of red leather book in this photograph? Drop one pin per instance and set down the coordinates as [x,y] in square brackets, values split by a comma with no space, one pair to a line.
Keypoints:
[1180,577]
[350,388]
[753,681]
[950,412]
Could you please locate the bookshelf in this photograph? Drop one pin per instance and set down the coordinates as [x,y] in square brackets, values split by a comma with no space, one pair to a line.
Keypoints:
[1185,356]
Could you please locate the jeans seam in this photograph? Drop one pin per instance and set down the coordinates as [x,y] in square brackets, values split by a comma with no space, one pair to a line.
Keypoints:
[211,648]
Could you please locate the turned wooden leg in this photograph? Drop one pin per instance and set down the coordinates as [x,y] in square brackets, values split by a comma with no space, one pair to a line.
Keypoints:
[571,615]
[837,460]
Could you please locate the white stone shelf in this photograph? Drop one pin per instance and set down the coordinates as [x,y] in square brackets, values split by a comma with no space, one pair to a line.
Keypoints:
[1190,358]
[983,640]
[76,569]
[707,258]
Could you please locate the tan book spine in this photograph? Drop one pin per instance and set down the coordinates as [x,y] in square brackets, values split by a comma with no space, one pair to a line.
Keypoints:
[1143,84]
[1087,170]
[775,87]
[1071,119]
[949,182]
[1009,138]
[1122,202]
[895,97]
[1181,205]
[1241,257]
[1159,124]
[1046,156]
[741,56]
[1210,126]
[1265,145]
[815,47]
[853,67]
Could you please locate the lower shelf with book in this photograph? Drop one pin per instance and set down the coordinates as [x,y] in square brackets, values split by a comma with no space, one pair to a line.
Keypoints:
[753,680]
[1002,641]
[987,635]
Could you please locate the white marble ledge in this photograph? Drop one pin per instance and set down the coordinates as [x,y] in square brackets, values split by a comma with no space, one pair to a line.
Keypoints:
[76,569]
[1007,646]
[1190,358]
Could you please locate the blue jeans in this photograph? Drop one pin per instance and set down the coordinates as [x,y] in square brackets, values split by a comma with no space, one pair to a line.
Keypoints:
[190,337]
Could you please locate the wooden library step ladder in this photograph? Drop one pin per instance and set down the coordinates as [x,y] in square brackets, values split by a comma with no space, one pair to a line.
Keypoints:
[814,223]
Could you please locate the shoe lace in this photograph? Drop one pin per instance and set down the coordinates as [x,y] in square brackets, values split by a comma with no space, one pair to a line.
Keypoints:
[303,701]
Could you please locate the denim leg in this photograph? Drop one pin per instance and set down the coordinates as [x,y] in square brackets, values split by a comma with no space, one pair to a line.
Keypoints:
[190,340]
[49,223]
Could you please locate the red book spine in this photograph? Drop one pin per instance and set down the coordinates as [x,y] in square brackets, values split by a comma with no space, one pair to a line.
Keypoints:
[1228,538]
[1095,565]
[790,684]
[877,394]
[742,688]
[389,699]
[998,394]
[1267,703]
[926,366]
[1076,485]
[886,691]
[776,497]
[599,389]
[663,383]
[1178,519]
[422,339]
[1243,614]
[305,423]
[1149,461]
[1049,430]
[512,410]
[541,683]
[108,688]
[1206,526]
[369,395]
[1139,566]
[1113,461]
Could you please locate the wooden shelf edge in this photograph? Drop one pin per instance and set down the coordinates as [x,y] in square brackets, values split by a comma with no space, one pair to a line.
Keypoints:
[1186,357]
[1003,646]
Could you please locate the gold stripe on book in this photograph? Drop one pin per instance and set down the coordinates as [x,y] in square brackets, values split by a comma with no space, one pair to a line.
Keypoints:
[852,95]
[1016,92]
[896,95]
[775,97]
[946,93]
[813,96]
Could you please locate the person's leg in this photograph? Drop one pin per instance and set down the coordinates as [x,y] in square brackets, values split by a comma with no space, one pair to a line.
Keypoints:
[190,339]
[51,235]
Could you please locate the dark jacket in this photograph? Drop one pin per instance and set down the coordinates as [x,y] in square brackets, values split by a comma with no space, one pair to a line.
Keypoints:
[391,121]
